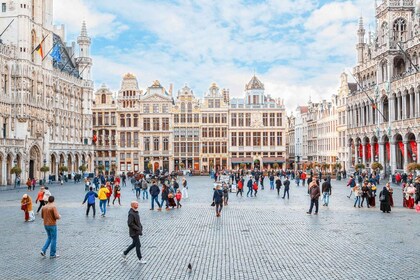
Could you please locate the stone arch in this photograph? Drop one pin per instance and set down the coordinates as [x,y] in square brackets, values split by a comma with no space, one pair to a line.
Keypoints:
[70,163]
[410,139]
[35,162]
[399,151]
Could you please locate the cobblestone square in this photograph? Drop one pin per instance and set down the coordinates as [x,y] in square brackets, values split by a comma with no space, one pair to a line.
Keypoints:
[256,238]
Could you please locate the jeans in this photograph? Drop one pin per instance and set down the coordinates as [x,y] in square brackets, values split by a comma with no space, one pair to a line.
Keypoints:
[138,190]
[136,243]
[41,203]
[102,205]
[52,239]
[357,200]
[271,185]
[326,197]
[164,200]
[155,198]
[316,203]
[93,208]
[239,191]
[278,190]
[297,182]
[249,191]
[219,207]
[145,193]
[365,197]
[286,190]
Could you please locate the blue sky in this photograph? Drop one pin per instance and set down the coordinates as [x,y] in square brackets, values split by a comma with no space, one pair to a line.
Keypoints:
[298,48]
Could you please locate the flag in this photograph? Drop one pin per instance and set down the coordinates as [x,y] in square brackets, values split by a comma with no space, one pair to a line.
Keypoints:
[56,54]
[39,50]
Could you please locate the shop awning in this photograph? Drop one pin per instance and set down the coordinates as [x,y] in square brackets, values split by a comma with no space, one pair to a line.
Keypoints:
[241,160]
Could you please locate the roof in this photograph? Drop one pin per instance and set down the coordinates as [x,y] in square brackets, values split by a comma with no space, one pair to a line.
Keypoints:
[303,109]
[254,83]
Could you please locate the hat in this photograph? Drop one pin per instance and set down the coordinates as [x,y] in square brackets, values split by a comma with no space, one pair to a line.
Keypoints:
[25,196]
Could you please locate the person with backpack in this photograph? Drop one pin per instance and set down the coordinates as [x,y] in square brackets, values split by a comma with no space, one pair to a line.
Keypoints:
[351,183]
[144,188]
[326,192]
[90,198]
[314,193]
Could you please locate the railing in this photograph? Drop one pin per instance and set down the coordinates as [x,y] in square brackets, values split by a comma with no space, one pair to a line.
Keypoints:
[12,142]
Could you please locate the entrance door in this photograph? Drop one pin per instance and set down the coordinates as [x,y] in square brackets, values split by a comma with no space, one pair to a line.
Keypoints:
[31,168]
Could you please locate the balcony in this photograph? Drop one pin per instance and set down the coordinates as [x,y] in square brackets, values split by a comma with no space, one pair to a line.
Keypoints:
[5,142]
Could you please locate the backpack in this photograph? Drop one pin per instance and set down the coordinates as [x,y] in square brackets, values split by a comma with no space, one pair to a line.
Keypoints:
[144,184]
[91,198]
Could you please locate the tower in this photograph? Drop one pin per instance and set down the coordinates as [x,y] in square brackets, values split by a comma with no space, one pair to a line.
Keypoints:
[84,62]
[361,42]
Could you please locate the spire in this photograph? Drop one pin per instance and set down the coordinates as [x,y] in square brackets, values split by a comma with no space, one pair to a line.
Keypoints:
[361,27]
[84,30]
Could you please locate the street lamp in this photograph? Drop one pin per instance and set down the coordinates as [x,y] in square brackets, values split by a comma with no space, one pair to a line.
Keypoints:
[15,162]
[45,164]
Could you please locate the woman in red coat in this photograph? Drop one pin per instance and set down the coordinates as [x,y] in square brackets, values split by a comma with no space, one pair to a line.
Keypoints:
[117,194]
[255,187]
[108,195]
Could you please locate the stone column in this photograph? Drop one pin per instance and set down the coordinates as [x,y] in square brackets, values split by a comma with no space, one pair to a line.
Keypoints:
[382,153]
[404,106]
[349,156]
[4,172]
[393,155]
[398,108]
[405,154]
[391,107]
[417,105]
[412,105]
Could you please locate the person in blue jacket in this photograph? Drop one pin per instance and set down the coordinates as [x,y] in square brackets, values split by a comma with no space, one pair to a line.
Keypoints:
[90,198]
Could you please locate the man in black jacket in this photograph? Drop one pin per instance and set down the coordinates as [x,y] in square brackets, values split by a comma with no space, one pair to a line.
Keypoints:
[135,230]
[286,184]
[154,192]
[326,191]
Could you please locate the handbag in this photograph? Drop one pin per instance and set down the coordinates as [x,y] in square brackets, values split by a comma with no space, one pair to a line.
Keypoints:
[213,204]
[381,197]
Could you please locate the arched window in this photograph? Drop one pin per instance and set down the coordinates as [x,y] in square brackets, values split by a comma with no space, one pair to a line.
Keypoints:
[128,123]
[156,144]
[136,120]
[122,120]
[103,98]
[182,107]
[166,144]
[400,30]
[189,107]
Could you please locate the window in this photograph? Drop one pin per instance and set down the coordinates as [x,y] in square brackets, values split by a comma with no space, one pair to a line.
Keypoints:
[272,138]
[204,118]
[156,124]
[189,107]
[182,118]
[196,118]
[240,139]
[106,120]
[217,147]
[400,30]
[224,148]
[211,103]
[155,108]
[183,147]
[112,118]
[279,120]
[217,103]
[224,118]
[128,139]
[94,119]
[103,98]
[234,139]
[3,7]
[233,120]
[211,132]
[189,118]
[224,132]
[240,119]
[146,144]
[211,118]
[217,132]
[204,148]
[265,139]
[255,99]
[165,123]
[217,118]
[248,139]
[122,139]
[182,107]
[166,144]
[136,120]
[146,124]
[156,143]
[176,118]
[265,119]
[279,138]
[165,108]
[128,123]
[136,140]
[204,132]
[248,119]
[211,148]
[272,119]
[176,148]
[256,138]
[122,120]
[146,108]
[189,147]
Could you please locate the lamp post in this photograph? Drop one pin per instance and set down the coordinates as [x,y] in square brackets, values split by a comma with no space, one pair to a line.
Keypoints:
[45,163]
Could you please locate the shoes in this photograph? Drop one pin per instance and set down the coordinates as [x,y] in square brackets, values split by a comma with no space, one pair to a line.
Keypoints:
[316,213]
[124,256]
[54,257]
[151,209]
[348,197]
[142,261]
[308,213]
[42,254]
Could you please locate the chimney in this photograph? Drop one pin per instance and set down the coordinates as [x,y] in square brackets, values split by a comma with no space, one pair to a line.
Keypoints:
[171,88]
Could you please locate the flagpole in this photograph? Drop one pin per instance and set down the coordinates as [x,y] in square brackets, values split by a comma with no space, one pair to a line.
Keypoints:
[80,74]
[48,53]
[40,43]
[7,27]
[67,62]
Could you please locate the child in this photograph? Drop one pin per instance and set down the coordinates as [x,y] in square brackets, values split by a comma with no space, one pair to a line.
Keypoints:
[255,188]
[108,195]
[178,197]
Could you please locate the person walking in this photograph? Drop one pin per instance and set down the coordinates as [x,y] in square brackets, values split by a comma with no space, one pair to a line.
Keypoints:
[50,216]
[278,185]
[178,197]
[255,187]
[351,183]
[40,198]
[90,198]
[385,200]
[47,194]
[154,193]
[365,195]
[103,198]
[225,194]
[26,206]
[33,183]
[357,194]
[272,181]
[218,200]
[240,187]
[135,230]
[249,186]
[117,194]
[184,188]
[326,192]
[314,193]
[286,184]
[29,184]
[144,188]
[137,187]
[108,195]
[164,196]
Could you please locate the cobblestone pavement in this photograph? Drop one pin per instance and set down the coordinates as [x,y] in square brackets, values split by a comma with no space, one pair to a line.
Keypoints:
[256,238]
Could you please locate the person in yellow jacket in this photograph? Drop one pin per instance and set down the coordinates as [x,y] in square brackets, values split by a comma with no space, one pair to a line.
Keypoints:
[102,195]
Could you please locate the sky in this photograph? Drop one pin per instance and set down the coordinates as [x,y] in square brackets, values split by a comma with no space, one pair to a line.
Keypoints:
[297,48]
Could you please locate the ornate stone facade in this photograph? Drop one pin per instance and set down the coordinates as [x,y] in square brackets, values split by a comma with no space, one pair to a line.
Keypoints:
[45,114]
[384,111]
